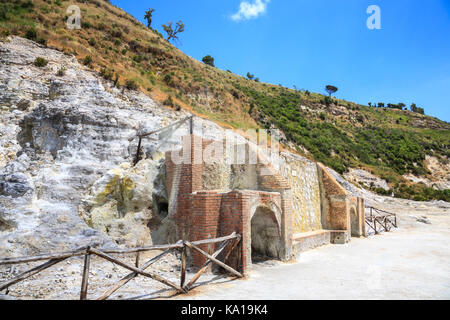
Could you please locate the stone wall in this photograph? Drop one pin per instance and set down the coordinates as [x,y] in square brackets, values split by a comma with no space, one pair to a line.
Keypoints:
[340,210]
[204,207]
[304,198]
[302,176]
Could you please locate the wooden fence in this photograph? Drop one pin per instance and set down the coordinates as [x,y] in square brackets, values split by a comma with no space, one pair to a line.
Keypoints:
[379,220]
[136,270]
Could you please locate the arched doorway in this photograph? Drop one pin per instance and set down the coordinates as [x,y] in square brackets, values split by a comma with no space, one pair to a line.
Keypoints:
[265,235]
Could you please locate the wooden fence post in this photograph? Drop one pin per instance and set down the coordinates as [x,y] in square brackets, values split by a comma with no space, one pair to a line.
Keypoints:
[136,270]
[219,263]
[138,255]
[88,251]
[84,283]
[232,248]
[183,265]
[375,225]
[239,255]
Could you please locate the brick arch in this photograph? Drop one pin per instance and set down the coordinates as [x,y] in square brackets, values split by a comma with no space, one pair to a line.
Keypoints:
[357,217]
[265,233]
[271,206]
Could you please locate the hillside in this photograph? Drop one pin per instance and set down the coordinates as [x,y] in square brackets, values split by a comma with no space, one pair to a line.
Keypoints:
[408,150]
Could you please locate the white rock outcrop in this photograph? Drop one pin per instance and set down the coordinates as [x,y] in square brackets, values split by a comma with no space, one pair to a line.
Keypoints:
[60,139]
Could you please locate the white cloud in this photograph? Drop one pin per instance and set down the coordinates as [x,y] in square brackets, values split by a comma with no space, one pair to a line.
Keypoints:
[249,10]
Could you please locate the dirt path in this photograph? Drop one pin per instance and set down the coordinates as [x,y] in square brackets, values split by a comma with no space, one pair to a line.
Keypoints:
[410,263]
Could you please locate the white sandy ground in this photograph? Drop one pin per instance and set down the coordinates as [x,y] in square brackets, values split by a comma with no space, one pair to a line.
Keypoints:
[412,262]
[409,263]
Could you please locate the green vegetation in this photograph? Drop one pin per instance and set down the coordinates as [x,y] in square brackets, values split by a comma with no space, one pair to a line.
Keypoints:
[107,74]
[87,60]
[149,16]
[40,62]
[169,102]
[172,33]
[208,60]
[31,34]
[331,90]
[131,84]
[399,106]
[394,151]
[387,141]
[9,9]
[415,108]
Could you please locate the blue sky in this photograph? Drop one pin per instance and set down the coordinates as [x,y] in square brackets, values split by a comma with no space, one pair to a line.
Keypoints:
[312,43]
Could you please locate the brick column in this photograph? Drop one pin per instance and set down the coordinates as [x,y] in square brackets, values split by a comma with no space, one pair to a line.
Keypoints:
[185,178]
[234,217]
[204,221]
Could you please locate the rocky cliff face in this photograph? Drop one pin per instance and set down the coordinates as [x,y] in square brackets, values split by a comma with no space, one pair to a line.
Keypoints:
[66,143]
[68,140]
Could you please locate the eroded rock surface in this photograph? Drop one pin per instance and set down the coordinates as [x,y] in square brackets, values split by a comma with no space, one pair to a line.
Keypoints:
[67,144]
[366,179]
[61,139]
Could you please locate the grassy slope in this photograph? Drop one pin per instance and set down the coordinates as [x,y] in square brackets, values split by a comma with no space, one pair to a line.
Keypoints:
[341,134]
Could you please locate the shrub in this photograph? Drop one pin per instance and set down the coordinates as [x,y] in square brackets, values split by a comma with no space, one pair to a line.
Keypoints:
[169,102]
[40,62]
[85,25]
[87,60]
[107,74]
[61,72]
[134,45]
[252,107]
[92,42]
[168,79]
[31,34]
[27,4]
[131,84]
[327,101]
[3,12]
[138,58]
[208,60]
[116,33]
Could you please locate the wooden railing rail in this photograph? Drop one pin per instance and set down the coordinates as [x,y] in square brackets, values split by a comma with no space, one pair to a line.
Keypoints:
[182,246]
[379,220]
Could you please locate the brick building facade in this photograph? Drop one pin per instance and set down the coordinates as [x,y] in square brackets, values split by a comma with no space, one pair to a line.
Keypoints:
[261,211]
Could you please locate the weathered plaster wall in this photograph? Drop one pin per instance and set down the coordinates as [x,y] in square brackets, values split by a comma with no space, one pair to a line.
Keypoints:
[219,174]
[303,178]
[266,237]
